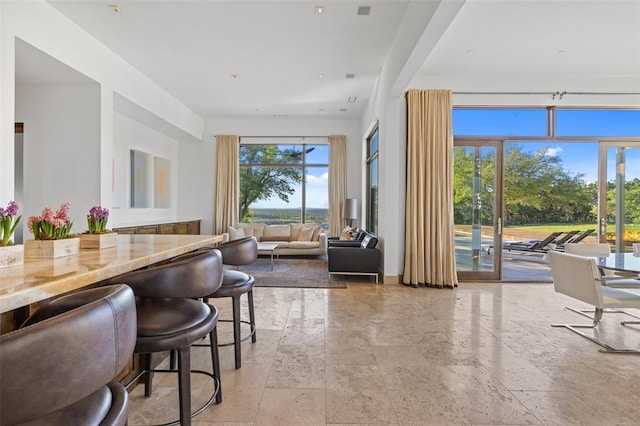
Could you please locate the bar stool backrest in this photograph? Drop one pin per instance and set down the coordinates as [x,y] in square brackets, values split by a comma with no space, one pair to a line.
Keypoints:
[68,350]
[193,276]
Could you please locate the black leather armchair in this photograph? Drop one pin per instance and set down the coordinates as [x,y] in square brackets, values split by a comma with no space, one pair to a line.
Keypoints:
[363,259]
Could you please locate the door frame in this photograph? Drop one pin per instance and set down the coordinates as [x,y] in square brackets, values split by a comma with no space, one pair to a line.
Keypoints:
[498,145]
[604,145]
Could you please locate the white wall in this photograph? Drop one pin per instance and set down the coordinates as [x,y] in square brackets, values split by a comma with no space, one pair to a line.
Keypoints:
[134,135]
[416,36]
[198,160]
[42,26]
[61,148]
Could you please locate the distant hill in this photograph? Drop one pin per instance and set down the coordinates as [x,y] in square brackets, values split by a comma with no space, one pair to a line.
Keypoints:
[293,215]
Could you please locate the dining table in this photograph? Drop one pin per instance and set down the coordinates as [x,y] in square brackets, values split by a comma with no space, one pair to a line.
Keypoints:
[622,262]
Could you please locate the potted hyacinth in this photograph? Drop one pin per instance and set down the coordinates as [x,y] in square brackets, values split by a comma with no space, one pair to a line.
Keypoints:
[52,234]
[10,254]
[97,235]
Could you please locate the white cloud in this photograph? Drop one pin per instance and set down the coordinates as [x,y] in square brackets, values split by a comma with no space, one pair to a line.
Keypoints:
[318,180]
[553,152]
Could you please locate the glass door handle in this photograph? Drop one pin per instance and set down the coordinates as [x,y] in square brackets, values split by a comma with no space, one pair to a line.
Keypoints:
[499,226]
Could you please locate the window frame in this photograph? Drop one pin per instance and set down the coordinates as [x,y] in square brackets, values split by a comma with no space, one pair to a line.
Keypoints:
[303,165]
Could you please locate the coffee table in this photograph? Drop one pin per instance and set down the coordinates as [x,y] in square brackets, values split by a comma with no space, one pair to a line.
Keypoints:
[268,248]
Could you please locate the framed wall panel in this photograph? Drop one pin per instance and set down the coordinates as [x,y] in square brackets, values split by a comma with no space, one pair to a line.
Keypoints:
[161,183]
[119,167]
[140,179]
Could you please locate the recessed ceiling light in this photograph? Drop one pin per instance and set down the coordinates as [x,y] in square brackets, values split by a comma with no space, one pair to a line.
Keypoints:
[319,10]
[364,10]
[114,7]
[351,76]
[234,75]
[321,75]
[469,51]
[560,52]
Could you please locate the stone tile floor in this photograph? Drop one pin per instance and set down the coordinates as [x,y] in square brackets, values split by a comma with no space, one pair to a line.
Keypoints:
[395,355]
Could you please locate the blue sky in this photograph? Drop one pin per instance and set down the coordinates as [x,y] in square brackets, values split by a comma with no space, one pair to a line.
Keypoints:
[317,179]
[577,157]
[582,157]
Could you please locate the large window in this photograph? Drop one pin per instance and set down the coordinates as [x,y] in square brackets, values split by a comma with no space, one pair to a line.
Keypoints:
[573,171]
[372,181]
[284,183]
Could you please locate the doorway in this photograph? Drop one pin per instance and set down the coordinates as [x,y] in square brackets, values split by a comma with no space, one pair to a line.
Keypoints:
[510,194]
[477,209]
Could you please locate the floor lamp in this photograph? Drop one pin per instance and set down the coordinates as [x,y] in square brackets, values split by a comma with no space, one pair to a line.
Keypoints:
[350,210]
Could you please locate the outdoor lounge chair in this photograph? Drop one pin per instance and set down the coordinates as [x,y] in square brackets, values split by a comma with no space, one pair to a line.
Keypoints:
[539,246]
[565,239]
[580,237]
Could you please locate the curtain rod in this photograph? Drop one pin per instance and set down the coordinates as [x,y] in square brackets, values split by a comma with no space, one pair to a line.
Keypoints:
[547,93]
[282,137]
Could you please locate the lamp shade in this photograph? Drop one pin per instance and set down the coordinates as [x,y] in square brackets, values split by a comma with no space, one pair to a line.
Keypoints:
[350,208]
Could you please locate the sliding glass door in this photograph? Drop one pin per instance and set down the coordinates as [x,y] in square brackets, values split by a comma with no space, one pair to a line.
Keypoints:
[477,220]
[620,187]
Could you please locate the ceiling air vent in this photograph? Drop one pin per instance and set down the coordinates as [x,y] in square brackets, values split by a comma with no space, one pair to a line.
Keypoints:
[352,99]
[364,10]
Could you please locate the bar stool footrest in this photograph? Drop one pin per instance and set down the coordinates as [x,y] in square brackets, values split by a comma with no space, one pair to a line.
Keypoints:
[199,410]
[244,339]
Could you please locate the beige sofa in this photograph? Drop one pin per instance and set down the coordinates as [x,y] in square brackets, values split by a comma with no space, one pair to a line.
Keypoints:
[292,239]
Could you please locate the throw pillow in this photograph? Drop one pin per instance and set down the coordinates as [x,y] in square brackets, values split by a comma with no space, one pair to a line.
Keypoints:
[235,233]
[347,233]
[305,233]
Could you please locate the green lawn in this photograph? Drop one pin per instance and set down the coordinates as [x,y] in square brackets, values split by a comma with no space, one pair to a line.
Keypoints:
[557,227]
[510,233]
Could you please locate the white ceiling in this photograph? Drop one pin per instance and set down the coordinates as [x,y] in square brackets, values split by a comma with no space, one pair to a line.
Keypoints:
[278,49]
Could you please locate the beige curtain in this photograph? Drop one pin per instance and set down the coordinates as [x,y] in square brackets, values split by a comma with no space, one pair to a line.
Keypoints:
[337,182]
[429,258]
[227,182]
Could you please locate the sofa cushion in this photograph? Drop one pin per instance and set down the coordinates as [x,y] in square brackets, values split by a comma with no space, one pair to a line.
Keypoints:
[359,235]
[275,239]
[305,234]
[252,229]
[276,231]
[347,233]
[236,233]
[297,227]
[304,244]
[369,241]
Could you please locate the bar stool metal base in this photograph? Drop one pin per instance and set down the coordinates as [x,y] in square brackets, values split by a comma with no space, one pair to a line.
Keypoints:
[206,405]
[251,335]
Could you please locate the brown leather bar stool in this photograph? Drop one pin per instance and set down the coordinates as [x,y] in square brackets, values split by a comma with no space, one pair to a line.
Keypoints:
[58,368]
[235,283]
[170,317]
[243,251]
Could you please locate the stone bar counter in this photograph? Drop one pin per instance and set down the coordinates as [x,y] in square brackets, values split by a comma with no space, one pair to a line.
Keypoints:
[40,279]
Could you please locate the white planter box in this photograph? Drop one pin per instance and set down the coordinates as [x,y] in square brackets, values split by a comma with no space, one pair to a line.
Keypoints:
[11,255]
[98,241]
[51,249]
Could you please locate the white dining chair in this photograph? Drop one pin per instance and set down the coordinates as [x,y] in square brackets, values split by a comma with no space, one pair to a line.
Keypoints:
[578,277]
[624,280]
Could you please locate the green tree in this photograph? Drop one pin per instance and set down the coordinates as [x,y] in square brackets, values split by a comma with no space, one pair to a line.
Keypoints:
[463,186]
[537,188]
[631,201]
[266,174]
